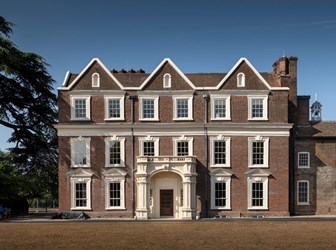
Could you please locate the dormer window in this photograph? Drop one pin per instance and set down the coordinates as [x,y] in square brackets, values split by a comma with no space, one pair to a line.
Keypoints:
[167,81]
[241,80]
[95,80]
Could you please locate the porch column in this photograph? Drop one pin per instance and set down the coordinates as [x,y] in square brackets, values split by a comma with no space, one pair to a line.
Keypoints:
[142,197]
[189,199]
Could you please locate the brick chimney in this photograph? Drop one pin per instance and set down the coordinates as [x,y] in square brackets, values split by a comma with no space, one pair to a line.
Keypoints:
[280,67]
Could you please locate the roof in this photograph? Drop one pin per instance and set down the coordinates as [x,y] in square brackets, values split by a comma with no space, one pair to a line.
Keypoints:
[137,80]
[322,129]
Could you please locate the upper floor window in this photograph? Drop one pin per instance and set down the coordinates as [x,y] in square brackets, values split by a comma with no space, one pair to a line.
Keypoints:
[80,107]
[183,146]
[257,107]
[220,151]
[303,192]
[95,80]
[167,81]
[258,152]
[149,146]
[149,108]
[114,107]
[80,152]
[115,152]
[303,160]
[220,107]
[183,108]
[241,80]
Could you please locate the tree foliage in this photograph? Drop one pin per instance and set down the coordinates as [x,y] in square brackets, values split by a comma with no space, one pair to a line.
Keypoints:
[28,108]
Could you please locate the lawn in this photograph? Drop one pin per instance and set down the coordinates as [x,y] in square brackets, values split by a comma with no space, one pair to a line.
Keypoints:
[169,235]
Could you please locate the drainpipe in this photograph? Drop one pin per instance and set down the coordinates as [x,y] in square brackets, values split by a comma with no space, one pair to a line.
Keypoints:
[132,98]
[206,99]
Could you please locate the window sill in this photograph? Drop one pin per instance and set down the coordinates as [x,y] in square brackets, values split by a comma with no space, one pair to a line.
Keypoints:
[258,208]
[114,119]
[115,166]
[149,120]
[303,204]
[258,166]
[115,208]
[220,166]
[221,208]
[183,119]
[80,166]
[258,119]
[80,119]
[81,209]
[221,119]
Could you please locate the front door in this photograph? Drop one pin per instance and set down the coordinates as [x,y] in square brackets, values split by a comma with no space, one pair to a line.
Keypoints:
[166,202]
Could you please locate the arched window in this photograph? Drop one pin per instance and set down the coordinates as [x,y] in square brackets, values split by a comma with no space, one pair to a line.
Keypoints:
[95,80]
[167,81]
[241,80]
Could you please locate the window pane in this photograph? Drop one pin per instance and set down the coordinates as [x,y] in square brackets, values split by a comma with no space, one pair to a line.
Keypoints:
[258,152]
[115,157]
[115,195]
[257,194]
[257,108]
[303,192]
[303,159]
[148,148]
[220,194]
[80,198]
[182,108]
[182,148]
[114,108]
[220,108]
[80,152]
[147,108]
[219,152]
[80,108]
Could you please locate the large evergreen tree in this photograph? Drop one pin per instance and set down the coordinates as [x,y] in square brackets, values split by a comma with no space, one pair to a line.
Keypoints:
[28,108]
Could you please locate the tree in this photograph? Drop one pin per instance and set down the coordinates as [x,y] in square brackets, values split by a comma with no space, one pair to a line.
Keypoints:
[28,108]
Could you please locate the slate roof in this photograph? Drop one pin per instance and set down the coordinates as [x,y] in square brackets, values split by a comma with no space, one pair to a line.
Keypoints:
[322,129]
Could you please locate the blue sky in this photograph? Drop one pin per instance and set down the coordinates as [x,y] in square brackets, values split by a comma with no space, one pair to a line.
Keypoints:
[199,36]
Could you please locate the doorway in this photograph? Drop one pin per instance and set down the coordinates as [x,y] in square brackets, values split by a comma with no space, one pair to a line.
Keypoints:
[166,202]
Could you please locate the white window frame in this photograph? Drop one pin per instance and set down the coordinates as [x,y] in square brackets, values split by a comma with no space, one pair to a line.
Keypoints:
[227,99]
[115,176]
[264,181]
[227,181]
[87,104]
[107,151]
[265,107]
[297,192]
[167,84]
[74,181]
[73,153]
[156,141]
[121,104]
[241,83]
[95,84]
[156,108]
[265,140]
[227,151]
[190,141]
[190,108]
[298,159]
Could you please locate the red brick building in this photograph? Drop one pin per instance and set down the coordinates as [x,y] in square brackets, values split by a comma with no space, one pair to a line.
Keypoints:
[170,144]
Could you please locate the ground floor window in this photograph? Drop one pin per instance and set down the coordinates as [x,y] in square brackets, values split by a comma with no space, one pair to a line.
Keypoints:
[114,189]
[220,192]
[303,192]
[257,192]
[81,193]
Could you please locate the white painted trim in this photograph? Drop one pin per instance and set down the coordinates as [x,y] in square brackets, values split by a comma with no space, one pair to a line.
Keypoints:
[298,160]
[227,99]
[156,141]
[73,181]
[250,152]
[190,108]
[87,141]
[264,181]
[115,179]
[156,107]
[242,83]
[182,138]
[121,99]
[265,107]
[297,193]
[66,78]
[168,85]
[98,80]
[218,179]
[227,151]
[86,68]
[87,104]
[107,151]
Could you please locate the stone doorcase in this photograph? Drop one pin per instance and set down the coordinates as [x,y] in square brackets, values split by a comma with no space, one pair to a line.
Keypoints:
[184,166]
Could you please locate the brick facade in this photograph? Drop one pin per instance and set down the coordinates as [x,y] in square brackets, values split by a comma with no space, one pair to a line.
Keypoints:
[143,178]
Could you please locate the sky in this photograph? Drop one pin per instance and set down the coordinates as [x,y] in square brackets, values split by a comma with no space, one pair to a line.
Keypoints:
[199,36]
